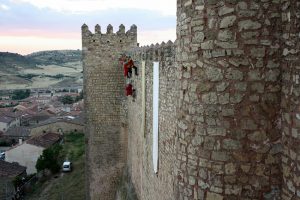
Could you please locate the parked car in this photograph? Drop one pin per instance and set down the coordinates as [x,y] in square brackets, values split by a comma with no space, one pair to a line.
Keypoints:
[67,166]
[2,156]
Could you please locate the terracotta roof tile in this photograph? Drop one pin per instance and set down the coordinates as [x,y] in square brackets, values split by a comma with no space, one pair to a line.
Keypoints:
[45,140]
[18,132]
[10,169]
[6,119]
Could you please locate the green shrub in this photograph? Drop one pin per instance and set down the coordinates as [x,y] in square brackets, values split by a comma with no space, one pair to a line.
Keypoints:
[49,159]
[20,94]
[5,143]
[17,181]
[27,76]
[67,99]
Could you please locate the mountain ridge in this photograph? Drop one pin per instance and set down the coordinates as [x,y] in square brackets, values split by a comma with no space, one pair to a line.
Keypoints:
[55,57]
[41,69]
[14,61]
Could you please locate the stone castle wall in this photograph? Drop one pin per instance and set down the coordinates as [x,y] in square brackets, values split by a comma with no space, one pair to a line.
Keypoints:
[229,105]
[149,185]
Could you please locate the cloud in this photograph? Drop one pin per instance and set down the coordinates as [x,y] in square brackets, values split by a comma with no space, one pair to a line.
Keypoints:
[166,7]
[159,36]
[4,7]
[26,45]
[26,19]
[27,28]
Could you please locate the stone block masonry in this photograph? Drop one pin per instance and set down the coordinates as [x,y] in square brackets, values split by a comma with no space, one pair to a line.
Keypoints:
[290,100]
[229,116]
[228,58]
[149,185]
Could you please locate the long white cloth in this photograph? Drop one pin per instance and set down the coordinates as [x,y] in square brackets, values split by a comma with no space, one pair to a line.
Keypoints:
[155,114]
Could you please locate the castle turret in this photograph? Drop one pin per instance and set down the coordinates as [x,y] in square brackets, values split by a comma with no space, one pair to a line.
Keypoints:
[290,100]
[228,58]
[103,91]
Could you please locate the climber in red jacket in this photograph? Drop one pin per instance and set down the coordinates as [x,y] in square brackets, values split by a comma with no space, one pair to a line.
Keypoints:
[131,65]
[129,90]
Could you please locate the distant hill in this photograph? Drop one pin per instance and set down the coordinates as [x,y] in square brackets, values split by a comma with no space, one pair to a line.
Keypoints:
[40,69]
[56,57]
[12,61]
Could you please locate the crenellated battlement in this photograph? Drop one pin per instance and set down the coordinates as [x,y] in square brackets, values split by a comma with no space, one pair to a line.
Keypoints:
[109,30]
[121,37]
[155,51]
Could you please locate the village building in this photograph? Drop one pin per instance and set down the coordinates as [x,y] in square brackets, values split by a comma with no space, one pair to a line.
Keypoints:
[8,121]
[59,125]
[28,152]
[29,119]
[17,134]
[8,173]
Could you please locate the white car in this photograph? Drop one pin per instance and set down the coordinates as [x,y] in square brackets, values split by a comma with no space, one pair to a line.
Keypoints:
[2,156]
[67,166]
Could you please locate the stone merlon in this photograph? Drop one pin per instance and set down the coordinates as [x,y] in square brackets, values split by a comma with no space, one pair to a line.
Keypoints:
[132,30]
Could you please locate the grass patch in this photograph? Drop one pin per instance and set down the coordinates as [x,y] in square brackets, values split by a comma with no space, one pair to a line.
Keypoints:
[74,146]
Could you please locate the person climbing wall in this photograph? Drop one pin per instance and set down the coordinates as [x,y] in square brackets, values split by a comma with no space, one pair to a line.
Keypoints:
[131,65]
[127,67]
[129,89]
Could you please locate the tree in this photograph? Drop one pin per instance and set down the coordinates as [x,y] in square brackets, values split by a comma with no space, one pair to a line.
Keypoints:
[49,159]
[17,181]
[80,97]
[20,94]
[67,99]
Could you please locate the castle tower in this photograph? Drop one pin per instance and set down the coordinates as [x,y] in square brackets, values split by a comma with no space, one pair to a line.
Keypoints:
[290,100]
[103,91]
[228,58]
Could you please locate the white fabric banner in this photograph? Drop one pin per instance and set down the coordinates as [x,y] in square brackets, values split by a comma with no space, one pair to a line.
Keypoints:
[155,114]
[143,98]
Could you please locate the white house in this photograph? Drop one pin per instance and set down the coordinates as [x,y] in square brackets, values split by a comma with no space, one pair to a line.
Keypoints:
[9,119]
[7,122]
[27,153]
[4,123]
